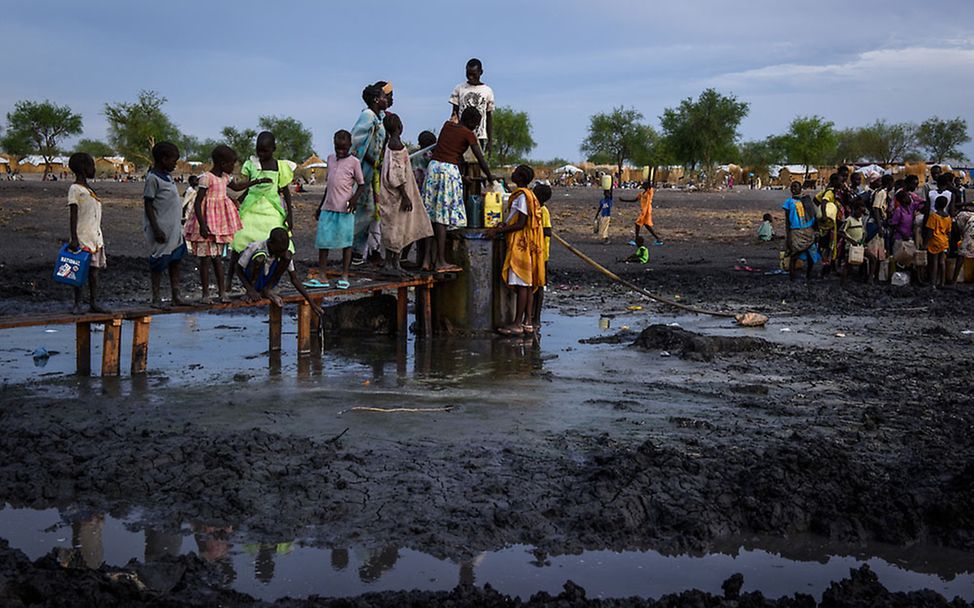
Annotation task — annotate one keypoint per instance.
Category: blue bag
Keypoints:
(71, 267)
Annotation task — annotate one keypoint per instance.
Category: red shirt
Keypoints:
(453, 141)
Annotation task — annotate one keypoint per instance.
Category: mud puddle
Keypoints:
(271, 570)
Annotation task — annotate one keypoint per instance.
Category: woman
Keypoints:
(800, 231)
(368, 140)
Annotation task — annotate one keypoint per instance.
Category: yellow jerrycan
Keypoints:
(493, 209)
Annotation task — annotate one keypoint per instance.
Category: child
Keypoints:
(524, 268)
(443, 192)
(215, 220)
(854, 235)
(420, 159)
(404, 219)
(645, 218)
(262, 264)
(603, 216)
(261, 210)
(937, 236)
(86, 234)
(766, 229)
(543, 193)
(336, 211)
(189, 197)
(641, 256)
(163, 222)
(475, 94)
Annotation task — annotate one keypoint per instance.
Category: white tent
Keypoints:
(4, 161)
(568, 169)
(37, 160)
(321, 165)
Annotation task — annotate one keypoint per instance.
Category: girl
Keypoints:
(368, 139)
(645, 219)
(261, 210)
(830, 217)
(854, 234)
(524, 267)
(937, 230)
(215, 220)
(86, 234)
(443, 192)
(404, 219)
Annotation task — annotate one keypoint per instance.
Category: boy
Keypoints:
(937, 236)
(641, 256)
(603, 216)
(543, 193)
(645, 218)
(85, 209)
(855, 235)
(262, 264)
(524, 269)
(163, 222)
(420, 160)
(476, 94)
(189, 196)
(766, 229)
(336, 211)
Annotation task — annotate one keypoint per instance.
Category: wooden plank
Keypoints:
(82, 333)
(304, 328)
(402, 308)
(111, 348)
(140, 345)
(274, 328)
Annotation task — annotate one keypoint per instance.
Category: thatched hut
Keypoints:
(315, 168)
(35, 164)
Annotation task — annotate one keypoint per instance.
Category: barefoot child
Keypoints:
(937, 237)
(645, 219)
(336, 212)
(215, 220)
(524, 269)
(603, 216)
(163, 222)
(766, 229)
(189, 197)
(86, 234)
(443, 192)
(543, 193)
(854, 235)
(641, 255)
(262, 264)
(404, 219)
(261, 210)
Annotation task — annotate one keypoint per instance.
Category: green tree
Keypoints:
(194, 148)
(851, 146)
(810, 141)
(704, 131)
(512, 136)
(616, 137)
(37, 127)
(241, 140)
(760, 155)
(134, 128)
(886, 143)
(293, 139)
(942, 139)
(95, 147)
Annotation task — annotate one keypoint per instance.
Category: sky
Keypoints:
(225, 63)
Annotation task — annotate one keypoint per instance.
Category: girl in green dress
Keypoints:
(261, 210)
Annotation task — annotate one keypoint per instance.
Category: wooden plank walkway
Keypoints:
(141, 319)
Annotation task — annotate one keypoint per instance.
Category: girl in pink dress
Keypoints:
(215, 219)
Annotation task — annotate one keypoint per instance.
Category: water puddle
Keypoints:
(270, 570)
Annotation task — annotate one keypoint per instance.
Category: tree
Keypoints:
(703, 131)
(616, 137)
(193, 148)
(134, 128)
(293, 139)
(512, 136)
(36, 127)
(943, 138)
(886, 143)
(242, 141)
(760, 155)
(851, 145)
(95, 147)
(810, 141)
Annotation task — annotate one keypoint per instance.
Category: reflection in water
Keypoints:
(86, 537)
(160, 544)
(378, 563)
(214, 546)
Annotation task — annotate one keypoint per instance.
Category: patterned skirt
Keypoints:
(443, 195)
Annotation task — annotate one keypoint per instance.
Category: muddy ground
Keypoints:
(863, 434)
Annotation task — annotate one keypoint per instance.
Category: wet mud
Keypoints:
(849, 417)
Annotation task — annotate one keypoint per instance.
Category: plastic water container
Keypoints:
(71, 267)
(900, 279)
(493, 209)
(475, 211)
(607, 182)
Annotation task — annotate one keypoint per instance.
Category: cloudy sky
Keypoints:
(226, 63)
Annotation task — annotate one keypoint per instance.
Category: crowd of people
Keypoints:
(877, 226)
(380, 203)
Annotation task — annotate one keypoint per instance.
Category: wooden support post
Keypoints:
(274, 328)
(316, 341)
(140, 344)
(424, 311)
(402, 306)
(111, 348)
(304, 329)
(83, 348)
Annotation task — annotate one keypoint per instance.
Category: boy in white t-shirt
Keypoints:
(474, 93)
(86, 226)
